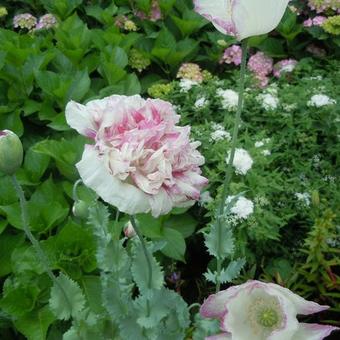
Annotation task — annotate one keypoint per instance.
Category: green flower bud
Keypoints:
(80, 209)
(11, 152)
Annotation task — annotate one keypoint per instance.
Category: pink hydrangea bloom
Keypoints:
(232, 55)
(155, 12)
(25, 20)
(316, 21)
(308, 23)
(256, 310)
(46, 21)
(141, 160)
(283, 66)
(261, 65)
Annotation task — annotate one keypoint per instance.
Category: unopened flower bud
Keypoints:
(11, 152)
(129, 231)
(80, 209)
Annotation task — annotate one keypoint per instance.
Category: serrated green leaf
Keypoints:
(220, 245)
(139, 270)
(232, 271)
(66, 298)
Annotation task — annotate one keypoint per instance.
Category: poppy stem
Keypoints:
(229, 169)
(146, 254)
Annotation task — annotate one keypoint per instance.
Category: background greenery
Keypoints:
(86, 57)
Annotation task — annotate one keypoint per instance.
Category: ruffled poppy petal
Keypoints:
(126, 197)
(313, 331)
(219, 12)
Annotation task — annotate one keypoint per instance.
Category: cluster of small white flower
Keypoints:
(219, 133)
(268, 101)
(242, 161)
(229, 99)
(261, 143)
(319, 100)
(304, 198)
(187, 84)
(329, 178)
(269, 98)
(201, 102)
(242, 208)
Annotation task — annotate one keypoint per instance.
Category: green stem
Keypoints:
(229, 170)
(43, 258)
(147, 257)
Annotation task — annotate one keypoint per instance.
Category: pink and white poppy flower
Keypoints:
(140, 160)
(263, 311)
(242, 18)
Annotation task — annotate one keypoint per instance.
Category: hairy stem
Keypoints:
(146, 254)
(229, 170)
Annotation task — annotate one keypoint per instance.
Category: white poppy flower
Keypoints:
(242, 18)
(256, 310)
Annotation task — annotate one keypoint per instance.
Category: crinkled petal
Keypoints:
(215, 305)
(313, 331)
(302, 306)
(79, 118)
(222, 336)
(126, 197)
(161, 203)
(257, 17)
(218, 12)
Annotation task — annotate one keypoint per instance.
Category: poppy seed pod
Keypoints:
(242, 18)
(11, 152)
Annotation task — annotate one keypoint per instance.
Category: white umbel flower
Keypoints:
(187, 84)
(229, 99)
(242, 208)
(268, 101)
(200, 102)
(242, 161)
(319, 100)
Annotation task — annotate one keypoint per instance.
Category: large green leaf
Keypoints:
(34, 325)
(175, 246)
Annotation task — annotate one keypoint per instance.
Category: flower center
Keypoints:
(268, 317)
(265, 315)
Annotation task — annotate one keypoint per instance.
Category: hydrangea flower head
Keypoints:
(263, 311)
(261, 65)
(141, 160)
(190, 71)
(25, 20)
(46, 21)
(232, 55)
(284, 66)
